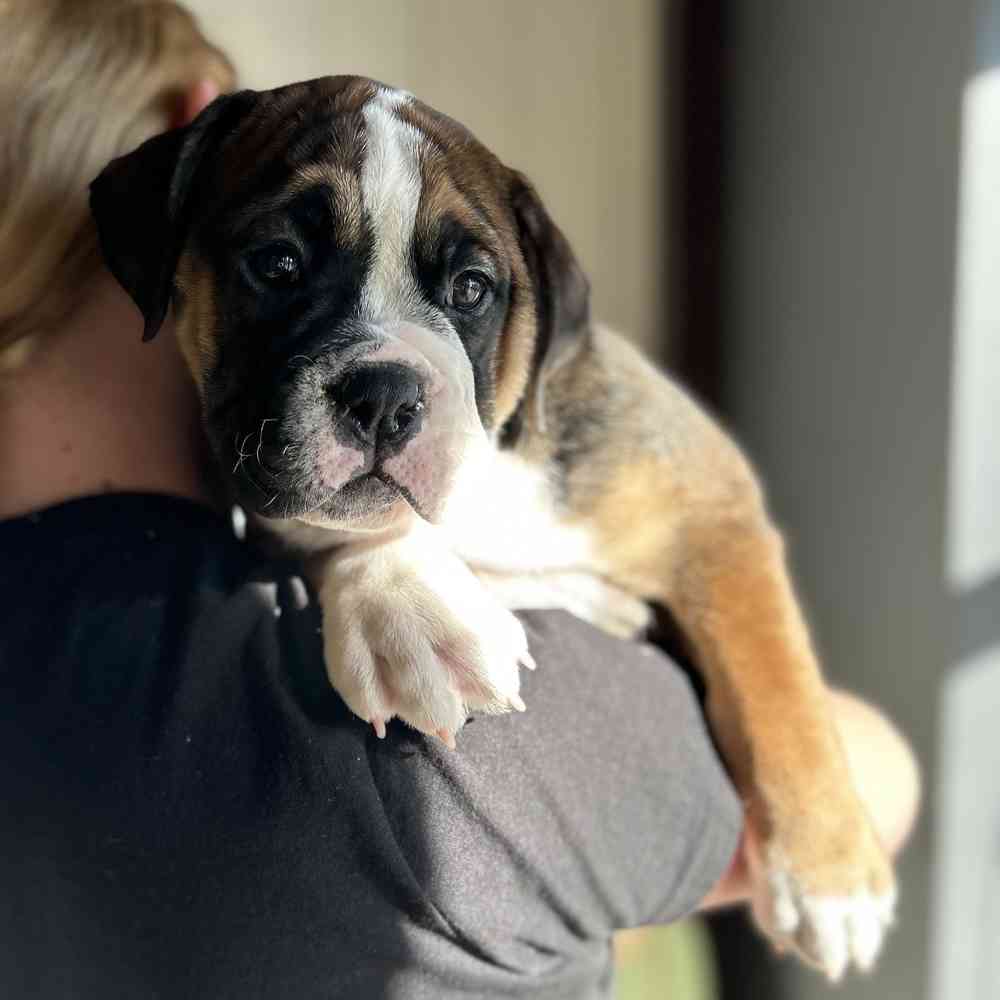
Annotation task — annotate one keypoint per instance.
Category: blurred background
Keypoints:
(797, 206)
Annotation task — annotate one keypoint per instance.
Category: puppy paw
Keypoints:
(409, 632)
(831, 920)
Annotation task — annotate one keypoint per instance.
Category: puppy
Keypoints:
(393, 347)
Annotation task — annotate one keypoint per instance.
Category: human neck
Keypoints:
(92, 409)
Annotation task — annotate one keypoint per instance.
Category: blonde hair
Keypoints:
(81, 82)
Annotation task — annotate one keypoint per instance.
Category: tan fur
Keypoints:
(453, 153)
(442, 198)
(678, 518)
(196, 326)
(346, 206)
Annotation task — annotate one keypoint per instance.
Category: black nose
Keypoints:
(380, 405)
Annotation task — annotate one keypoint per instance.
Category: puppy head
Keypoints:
(364, 294)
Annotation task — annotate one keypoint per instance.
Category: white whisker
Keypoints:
(260, 434)
(241, 454)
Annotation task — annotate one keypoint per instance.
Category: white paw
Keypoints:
(410, 632)
(829, 931)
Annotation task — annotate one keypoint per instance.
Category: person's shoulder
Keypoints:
(123, 607)
(108, 518)
(105, 578)
(124, 536)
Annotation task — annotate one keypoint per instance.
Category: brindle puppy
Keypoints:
(393, 346)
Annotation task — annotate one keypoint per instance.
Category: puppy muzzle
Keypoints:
(392, 418)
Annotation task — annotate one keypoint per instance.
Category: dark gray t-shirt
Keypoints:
(191, 812)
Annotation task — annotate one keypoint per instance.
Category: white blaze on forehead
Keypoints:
(411, 329)
(390, 191)
(411, 326)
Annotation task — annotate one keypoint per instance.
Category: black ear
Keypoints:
(562, 291)
(142, 204)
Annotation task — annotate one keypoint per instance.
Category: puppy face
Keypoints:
(363, 291)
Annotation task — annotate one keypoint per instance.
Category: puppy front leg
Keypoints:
(410, 632)
(678, 518)
(823, 884)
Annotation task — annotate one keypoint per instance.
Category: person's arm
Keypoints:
(179, 764)
(885, 772)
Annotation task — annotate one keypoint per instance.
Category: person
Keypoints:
(190, 809)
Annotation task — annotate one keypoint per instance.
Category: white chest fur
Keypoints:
(501, 516)
(502, 519)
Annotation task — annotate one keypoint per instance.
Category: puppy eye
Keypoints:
(278, 264)
(468, 289)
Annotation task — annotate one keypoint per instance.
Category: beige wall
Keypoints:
(567, 90)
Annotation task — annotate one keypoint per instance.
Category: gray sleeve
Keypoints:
(603, 806)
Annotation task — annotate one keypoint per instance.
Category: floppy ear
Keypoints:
(562, 291)
(142, 204)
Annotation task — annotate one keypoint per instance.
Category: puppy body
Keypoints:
(393, 346)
